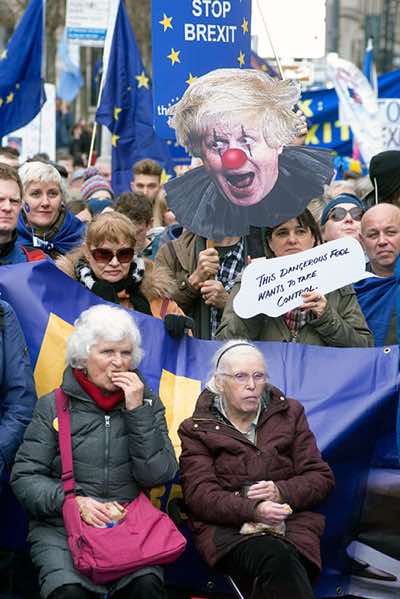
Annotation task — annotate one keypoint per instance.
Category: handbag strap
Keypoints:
(64, 439)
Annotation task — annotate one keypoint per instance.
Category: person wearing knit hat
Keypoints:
(341, 217)
(95, 186)
(384, 172)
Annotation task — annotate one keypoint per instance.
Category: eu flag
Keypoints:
(126, 107)
(22, 92)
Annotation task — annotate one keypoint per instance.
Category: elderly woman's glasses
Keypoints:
(339, 213)
(244, 377)
(104, 256)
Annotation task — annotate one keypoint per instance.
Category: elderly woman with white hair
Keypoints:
(120, 446)
(252, 475)
(243, 125)
(44, 221)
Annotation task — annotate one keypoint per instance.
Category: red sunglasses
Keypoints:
(104, 256)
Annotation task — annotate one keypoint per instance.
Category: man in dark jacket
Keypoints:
(17, 398)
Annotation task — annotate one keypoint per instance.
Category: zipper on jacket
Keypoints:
(107, 453)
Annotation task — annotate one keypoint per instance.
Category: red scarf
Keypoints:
(105, 402)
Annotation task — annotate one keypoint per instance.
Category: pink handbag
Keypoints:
(145, 537)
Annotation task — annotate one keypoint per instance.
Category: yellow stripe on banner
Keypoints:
(50, 364)
(179, 395)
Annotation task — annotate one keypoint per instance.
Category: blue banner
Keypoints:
(351, 408)
(321, 109)
(191, 38)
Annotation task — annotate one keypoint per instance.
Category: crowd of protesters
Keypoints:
(130, 251)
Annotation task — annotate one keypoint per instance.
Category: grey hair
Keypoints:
(102, 322)
(223, 93)
(222, 358)
(31, 172)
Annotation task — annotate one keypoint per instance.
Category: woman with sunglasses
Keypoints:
(107, 265)
(341, 217)
(252, 476)
(333, 320)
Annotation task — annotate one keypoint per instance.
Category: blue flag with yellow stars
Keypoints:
(126, 108)
(22, 92)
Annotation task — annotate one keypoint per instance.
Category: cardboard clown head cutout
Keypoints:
(240, 123)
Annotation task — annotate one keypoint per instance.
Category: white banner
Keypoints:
(274, 286)
(358, 106)
(86, 21)
(389, 110)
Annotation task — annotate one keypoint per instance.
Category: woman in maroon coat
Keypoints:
(252, 474)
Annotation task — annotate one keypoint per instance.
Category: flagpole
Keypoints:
(278, 62)
(106, 56)
(44, 64)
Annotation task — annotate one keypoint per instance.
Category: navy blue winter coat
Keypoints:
(17, 389)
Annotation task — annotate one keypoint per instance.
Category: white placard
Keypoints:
(389, 112)
(40, 134)
(86, 21)
(274, 286)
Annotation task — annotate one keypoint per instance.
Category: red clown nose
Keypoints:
(234, 158)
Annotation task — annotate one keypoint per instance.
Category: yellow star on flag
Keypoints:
(174, 56)
(166, 22)
(117, 110)
(143, 80)
(1, 102)
(191, 79)
(3, 55)
(245, 26)
(164, 177)
(10, 98)
(241, 59)
(114, 139)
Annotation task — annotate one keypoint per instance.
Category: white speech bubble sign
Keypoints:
(274, 286)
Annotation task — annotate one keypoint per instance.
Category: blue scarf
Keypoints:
(377, 297)
(69, 236)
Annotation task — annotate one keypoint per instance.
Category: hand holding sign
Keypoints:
(277, 285)
(315, 302)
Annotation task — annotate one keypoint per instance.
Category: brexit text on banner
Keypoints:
(389, 110)
(351, 408)
(21, 85)
(191, 38)
(326, 131)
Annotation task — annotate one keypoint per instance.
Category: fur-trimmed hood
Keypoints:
(157, 283)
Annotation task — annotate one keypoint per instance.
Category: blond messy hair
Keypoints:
(226, 93)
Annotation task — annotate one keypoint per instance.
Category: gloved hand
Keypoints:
(177, 325)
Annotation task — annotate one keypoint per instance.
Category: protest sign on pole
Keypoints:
(190, 39)
(274, 286)
(86, 21)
